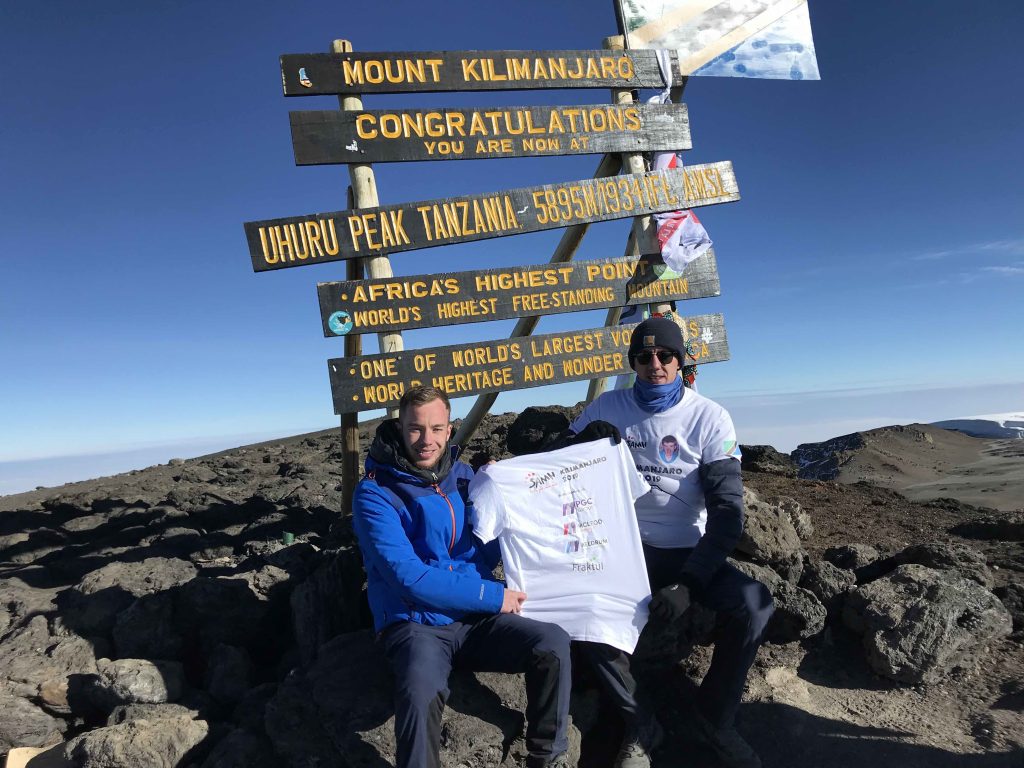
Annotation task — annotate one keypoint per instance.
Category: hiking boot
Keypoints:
(731, 749)
(638, 745)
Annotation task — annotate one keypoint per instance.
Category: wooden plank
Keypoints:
(452, 298)
(389, 136)
(378, 381)
(313, 74)
(324, 237)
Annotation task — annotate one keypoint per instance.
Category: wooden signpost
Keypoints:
(450, 298)
(378, 381)
(388, 136)
(317, 74)
(322, 237)
(367, 232)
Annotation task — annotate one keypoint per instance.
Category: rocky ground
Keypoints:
(158, 618)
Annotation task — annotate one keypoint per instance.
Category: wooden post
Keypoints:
(363, 194)
(643, 230)
(350, 454)
(642, 233)
(564, 251)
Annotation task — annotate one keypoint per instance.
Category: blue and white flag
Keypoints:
(727, 38)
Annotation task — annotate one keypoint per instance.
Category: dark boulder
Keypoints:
(918, 624)
(764, 458)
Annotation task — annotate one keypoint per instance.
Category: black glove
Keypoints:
(595, 430)
(671, 602)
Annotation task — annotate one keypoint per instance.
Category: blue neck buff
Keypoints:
(655, 398)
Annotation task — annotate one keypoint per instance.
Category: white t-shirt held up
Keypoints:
(569, 538)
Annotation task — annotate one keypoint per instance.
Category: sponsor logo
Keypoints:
(575, 505)
(588, 567)
(542, 482)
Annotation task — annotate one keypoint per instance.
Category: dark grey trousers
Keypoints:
(422, 658)
(744, 606)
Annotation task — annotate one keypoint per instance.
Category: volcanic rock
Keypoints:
(798, 613)
(851, 557)
(164, 743)
(764, 458)
(92, 606)
(339, 711)
(242, 749)
(919, 623)
(770, 538)
(32, 657)
(827, 582)
(23, 724)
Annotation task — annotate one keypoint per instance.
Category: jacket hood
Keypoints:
(388, 450)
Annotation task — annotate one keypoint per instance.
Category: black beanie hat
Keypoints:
(656, 332)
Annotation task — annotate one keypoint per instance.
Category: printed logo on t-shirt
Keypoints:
(541, 482)
(731, 448)
(571, 507)
(633, 440)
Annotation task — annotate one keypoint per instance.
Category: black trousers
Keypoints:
(744, 606)
(422, 658)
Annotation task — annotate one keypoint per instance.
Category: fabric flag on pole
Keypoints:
(727, 38)
(681, 236)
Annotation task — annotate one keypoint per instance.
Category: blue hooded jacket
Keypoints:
(422, 562)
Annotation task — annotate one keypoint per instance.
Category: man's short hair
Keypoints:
(421, 395)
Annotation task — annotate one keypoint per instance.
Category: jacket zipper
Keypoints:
(451, 509)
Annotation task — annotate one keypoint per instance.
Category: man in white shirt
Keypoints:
(685, 445)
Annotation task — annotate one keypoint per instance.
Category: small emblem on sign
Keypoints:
(304, 80)
(340, 323)
(353, 147)
(706, 336)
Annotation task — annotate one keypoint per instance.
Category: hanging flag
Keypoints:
(727, 38)
(681, 236)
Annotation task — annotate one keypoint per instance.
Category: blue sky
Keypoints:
(871, 274)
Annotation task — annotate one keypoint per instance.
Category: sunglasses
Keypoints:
(645, 356)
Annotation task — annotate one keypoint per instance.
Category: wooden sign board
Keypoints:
(424, 301)
(317, 74)
(378, 381)
(388, 136)
(324, 237)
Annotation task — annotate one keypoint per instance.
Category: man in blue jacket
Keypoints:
(434, 601)
(689, 522)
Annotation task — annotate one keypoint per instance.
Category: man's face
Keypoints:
(425, 433)
(655, 371)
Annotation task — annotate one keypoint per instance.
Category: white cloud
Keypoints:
(1013, 247)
